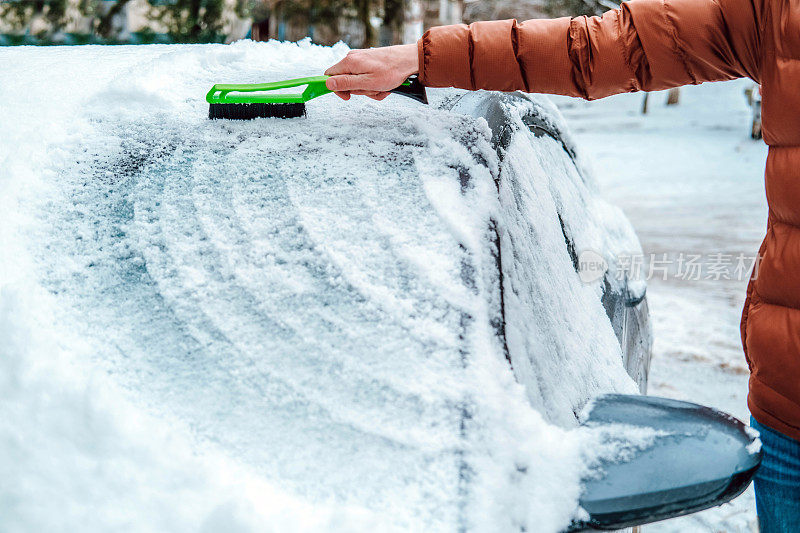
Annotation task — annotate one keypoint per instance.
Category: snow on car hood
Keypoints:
(282, 324)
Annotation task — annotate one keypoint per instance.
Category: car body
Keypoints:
(374, 317)
(623, 297)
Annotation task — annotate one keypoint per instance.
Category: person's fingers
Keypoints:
(342, 67)
(348, 82)
(375, 95)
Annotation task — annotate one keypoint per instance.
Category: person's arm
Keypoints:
(643, 45)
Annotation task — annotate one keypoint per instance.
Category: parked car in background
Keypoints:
(375, 317)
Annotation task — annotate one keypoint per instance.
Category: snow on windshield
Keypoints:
(284, 324)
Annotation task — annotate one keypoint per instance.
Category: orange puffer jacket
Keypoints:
(655, 44)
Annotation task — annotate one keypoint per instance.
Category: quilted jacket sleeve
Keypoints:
(643, 45)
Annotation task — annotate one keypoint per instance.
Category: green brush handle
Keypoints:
(315, 86)
(219, 93)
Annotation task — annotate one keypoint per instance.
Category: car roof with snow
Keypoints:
(371, 310)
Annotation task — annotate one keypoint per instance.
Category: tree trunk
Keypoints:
(274, 21)
(412, 24)
(364, 13)
(391, 30)
(194, 20)
(645, 103)
(260, 30)
(106, 24)
(674, 96)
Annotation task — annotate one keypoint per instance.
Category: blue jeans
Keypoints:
(777, 482)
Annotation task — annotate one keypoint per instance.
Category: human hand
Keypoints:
(373, 72)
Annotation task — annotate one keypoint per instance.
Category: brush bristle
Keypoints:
(257, 110)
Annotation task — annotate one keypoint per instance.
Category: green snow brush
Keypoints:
(254, 100)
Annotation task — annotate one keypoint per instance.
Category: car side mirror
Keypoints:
(701, 458)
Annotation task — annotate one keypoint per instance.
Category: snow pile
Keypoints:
(76, 454)
(285, 324)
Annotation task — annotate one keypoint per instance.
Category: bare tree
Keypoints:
(20, 15)
(475, 10)
(105, 24)
(190, 21)
(560, 8)
(364, 15)
(393, 19)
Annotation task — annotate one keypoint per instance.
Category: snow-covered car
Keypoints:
(382, 316)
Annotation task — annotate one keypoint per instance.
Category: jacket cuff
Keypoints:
(444, 57)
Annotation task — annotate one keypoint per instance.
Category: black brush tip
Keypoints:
(257, 110)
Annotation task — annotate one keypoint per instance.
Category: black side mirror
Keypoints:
(701, 458)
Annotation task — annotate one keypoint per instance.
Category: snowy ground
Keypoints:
(691, 181)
